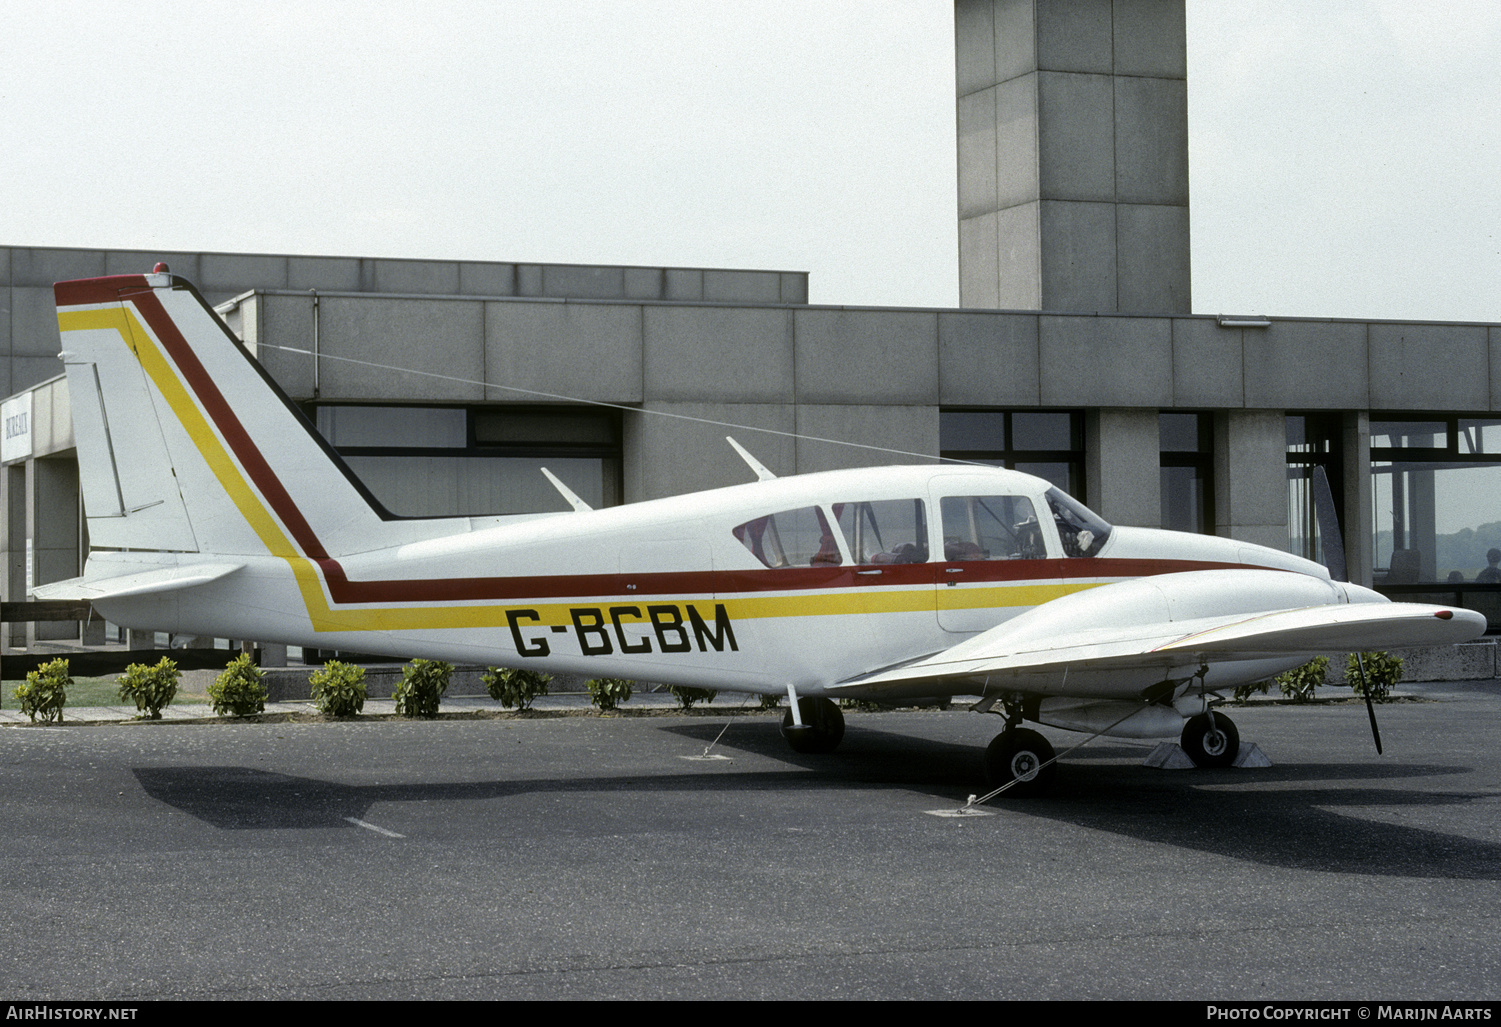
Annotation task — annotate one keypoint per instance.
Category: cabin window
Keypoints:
(990, 528)
(1082, 531)
(886, 531)
(792, 538)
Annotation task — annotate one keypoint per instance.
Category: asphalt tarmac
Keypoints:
(589, 857)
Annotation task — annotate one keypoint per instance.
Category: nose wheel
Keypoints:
(1211, 740)
(822, 726)
(1021, 755)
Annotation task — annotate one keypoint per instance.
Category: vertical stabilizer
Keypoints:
(186, 444)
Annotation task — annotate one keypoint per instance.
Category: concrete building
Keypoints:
(1075, 355)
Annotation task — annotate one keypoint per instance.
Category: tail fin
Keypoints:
(186, 444)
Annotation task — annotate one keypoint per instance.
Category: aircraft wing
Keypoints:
(1124, 637)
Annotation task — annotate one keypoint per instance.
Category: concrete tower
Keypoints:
(1073, 155)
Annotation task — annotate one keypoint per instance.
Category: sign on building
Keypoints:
(15, 428)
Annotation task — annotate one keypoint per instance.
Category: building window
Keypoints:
(458, 461)
(1313, 440)
(1436, 498)
(1186, 461)
(1047, 443)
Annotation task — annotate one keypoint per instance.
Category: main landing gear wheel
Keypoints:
(822, 729)
(1018, 754)
(1211, 746)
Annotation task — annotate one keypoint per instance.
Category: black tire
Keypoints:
(823, 726)
(1019, 754)
(1211, 747)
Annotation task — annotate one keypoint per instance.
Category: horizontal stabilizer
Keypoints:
(153, 582)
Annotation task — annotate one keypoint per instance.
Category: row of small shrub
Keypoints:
(338, 689)
(516, 689)
(1382, 672)
(45, 691)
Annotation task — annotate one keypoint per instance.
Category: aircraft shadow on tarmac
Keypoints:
(1285, 816)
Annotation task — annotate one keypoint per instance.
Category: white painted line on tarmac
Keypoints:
(371, 827)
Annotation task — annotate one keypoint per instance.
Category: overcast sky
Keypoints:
(1343, 154)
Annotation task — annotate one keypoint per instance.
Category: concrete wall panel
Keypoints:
(486, 279)
(863, 356)
(742, 286)
(443, 337)
(1075, 36)
(1429, 367)
(1015, 131)
(272, 321)
(238, 272)
(326, 274)
(644, 283)
(1151, 38)
(42, 422)
(4, 265)
(794, 288)
(907, 429)
(1121, 467)
(33, 322)
(583, 350)
(1076, 136)
(1018, 274)
(988, 360)
(45, 266)
(51, 419)
(684, 284)
(733, 354)
(1078, 256)
(1207, 364)
(5, 311)
(1153, 257)
(528, 279)
(974, 45)
(28, 371)
(583, 282)
(671, 456)
(433, 277)
(1250, 476)
(1278, 360)
(1090, 361)
(1151, 140)
(977, 153)
(978, 271)
(1015, 38)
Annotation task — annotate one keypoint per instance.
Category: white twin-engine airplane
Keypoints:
(214, 508)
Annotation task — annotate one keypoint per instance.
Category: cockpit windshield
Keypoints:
(1082, 531)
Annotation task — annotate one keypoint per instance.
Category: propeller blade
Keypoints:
(1365, 688)
(1334, 545)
